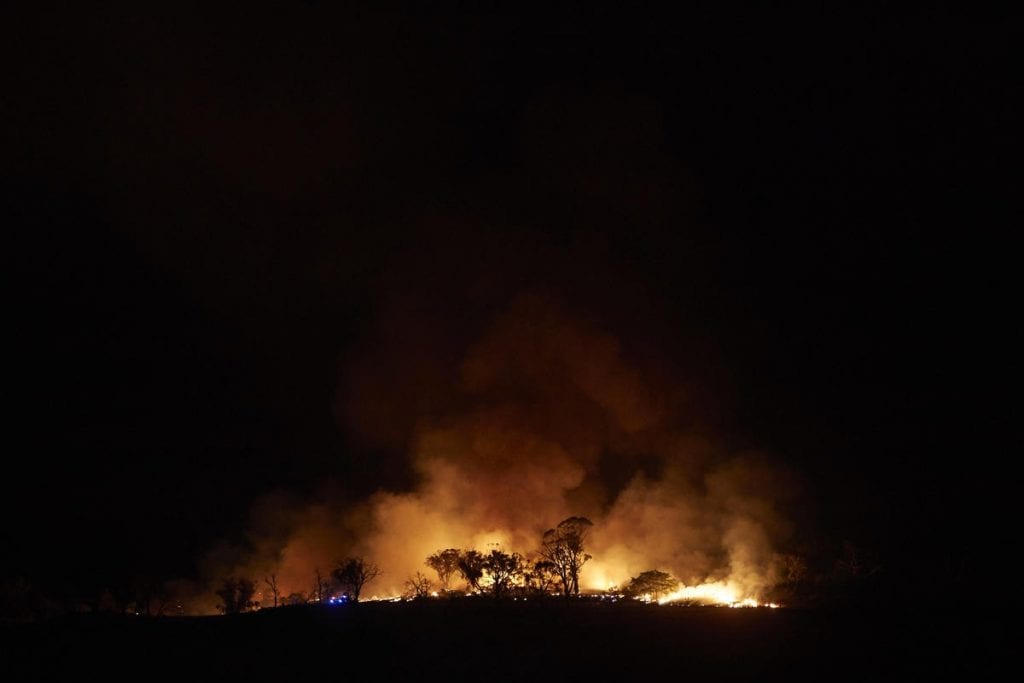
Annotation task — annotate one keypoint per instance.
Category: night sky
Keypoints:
(207, 214)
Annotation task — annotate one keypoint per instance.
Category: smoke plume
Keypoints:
(505, 419)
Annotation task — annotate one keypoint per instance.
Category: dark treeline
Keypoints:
(552, 570)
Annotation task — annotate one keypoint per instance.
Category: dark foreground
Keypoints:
(516, 641)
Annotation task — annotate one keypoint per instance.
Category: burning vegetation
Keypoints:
(545, 415)
(551, 571)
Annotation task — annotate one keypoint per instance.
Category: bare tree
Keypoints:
(471, 568)
(353, 573)
(446, 564)
(161, 598)
(563, 548)
(418, 586)
(271, 582)
(790, 579)
(855, 563)
(320, 587)
(236, 595)
(651, 585)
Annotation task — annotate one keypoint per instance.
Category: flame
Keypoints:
(516, 429)
(746, 602)
(716, 593)
(605, 577)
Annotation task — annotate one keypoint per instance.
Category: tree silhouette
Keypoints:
(236, 595)
(790, 585)
(855, 576)
(791, 568)
(296, 598)
(446, 564)
(21, 601)
(563, 548)
(502, 569)
(855, 563)
(353, 573)
(541, 578)
(418, 586)
(150, 596)
(271, 582)
(651, 584)
(320, 587)
(471, 568)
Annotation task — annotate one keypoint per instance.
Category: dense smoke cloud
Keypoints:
(506, 419)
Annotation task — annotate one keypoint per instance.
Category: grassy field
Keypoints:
(480, 640)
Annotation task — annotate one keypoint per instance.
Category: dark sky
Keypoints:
(204, 214)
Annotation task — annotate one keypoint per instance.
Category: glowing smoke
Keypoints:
(546, 401)
(539, 414)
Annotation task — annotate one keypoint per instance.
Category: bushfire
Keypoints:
(540, 414)
(554, 570)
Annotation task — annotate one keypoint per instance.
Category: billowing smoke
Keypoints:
(507, 419)
(550, 404)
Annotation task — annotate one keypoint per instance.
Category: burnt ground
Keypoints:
(517, 641)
